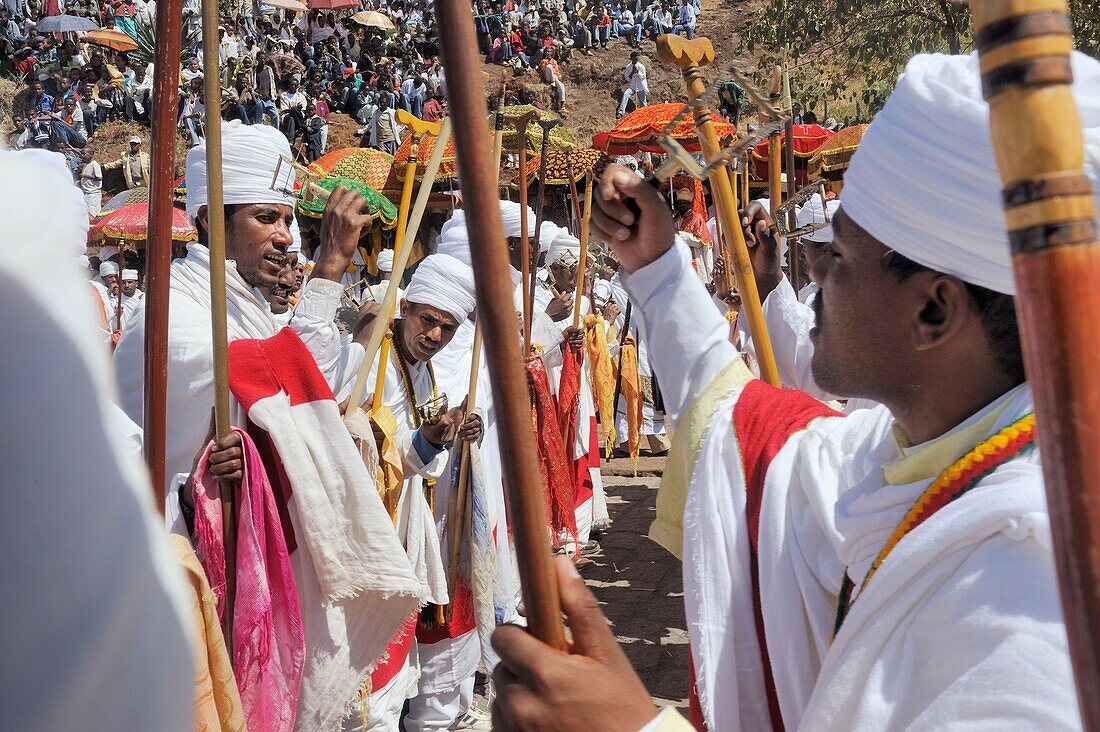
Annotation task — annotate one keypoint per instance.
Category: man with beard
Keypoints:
(891, 569)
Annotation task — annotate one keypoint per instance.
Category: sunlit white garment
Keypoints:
(961, 626)
(653, 419)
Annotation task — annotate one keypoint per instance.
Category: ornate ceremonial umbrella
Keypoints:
(832, 159)
(131, 223)
(584, 160)
(560, 137)
(310, 210)
(447, 169)
(641, 129)
(362, 164)
(807, 140)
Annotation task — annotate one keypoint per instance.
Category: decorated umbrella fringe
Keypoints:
(131, 223)
(836, 154)
(381, 208)
(560, 138)
(808, 139)
(363, 164)
(639, 131)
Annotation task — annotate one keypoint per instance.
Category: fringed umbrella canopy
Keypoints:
(366, 165)
(560, 138)
(836, 155)
(640, 131)
(584, 160)
(131, 223)
(448, 168)
(808, 139)
(381, 208)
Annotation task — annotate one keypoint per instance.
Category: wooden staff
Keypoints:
(417, 127)
(215, 238)
(574, 200)
(520, 123)
(457, 518)
(400, 261)
(540, 200)
(619, 371)
(527, 508)
(582, 261)
(794, 246)
(690, 57)
(746, 161)
(158, 247)
(1024, 50)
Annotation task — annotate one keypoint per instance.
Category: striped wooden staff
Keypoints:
(1024, 49)
(496, 310)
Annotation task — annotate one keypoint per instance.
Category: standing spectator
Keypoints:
(686, 21)
(382, 130)
(636, 84)
(135, 165)
(91, 181)
(124, 13)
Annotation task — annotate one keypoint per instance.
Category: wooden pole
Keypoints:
(691, 56)
(794, 247)
(582, 261)
(457, 519)
(520, 124)
(527, 509)
(619, 371)
(1024, 51)
(402, 226)
(158, 247)
(746, 161)
(400, 261)
(215, 212)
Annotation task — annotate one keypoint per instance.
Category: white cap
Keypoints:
(129, 275)
(106, 269)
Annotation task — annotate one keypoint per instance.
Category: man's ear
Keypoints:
(943, 307)
(203, 217)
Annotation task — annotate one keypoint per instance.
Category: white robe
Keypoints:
(653, 420)
(961, 627)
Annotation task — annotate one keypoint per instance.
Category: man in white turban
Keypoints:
(439, 298)
(340, 650)
(96, 631)
(816, 597)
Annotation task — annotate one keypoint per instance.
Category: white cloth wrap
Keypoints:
(814, 213)
(385, 260)
(563, 242)
(444, 282)
(924, 181)
(250, 158)
(106, 269)
(454, 237)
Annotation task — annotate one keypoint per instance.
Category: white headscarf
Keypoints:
(106, 269)
(563, 242)
(814, 213)
(250, 156)
(924, 181)
(385, 260)
(444, 282)
(296, 237)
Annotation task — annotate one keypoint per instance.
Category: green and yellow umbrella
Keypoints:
(560, 138)
(362, 164)
(311, 209)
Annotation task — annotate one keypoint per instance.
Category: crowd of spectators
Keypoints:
(295, 70)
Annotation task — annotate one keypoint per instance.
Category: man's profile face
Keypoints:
(861, 339)
(256, 238)
(425, 329)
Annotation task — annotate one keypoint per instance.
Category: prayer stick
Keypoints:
(582, 261)
(158, 247)
(400, 261)
(402, 227)
(691, 56)
(527, 506)
(1024, 53)
(215, 237)
(457, 519)
(520, 124)
(619, 371)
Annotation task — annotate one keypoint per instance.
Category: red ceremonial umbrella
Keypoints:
(131, 222)
(641, 129)
(807, 140)
(332, 4)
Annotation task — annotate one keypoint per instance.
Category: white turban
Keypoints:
(83, 261)
(601, 291)
(924, 181)
(106, 269)
(443, 282)
(129, 275)
(510, 213)
(454, 237)
(813, 213)
(250, 155)
(295, 236)
(107, 251)
(385, 260)
(40, 181)
(563, 242)
(547, 234)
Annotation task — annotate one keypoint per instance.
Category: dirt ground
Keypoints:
(640, 588)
